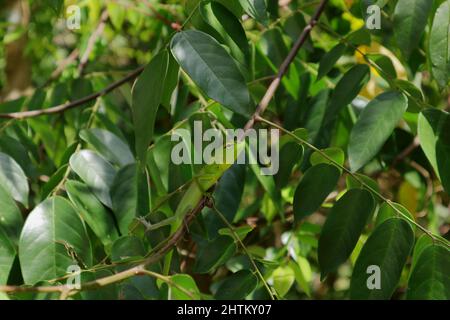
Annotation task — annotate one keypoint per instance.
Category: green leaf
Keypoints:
(7, 256)
(127, 248)
(387, 212)
(108, 145)
(18, 152)
(415, 95)
(214, 254)
(385, 64)
(229, 28)
(92, 211)
(291, 154)
(303, 273)
(130, 196)
(343, 226)
(11, 220)
(237, 286)
(346, 90)
(329, 60)
(147, 96)
(53, 238)
(434, 135)
(294, 25)
(186, 282)
(116, 14)
(387, 248)
(283, 279)
(317, 183)
(56, 5)
(356, 181)
(422, 243)
(374, 126)
(13, 179)
(334, 153)
(430, 279)
(96, 172)
(439, 44)
(410, 19)
(273, 47)
(241, 232)
(171, 82)
(109, 292)
(227, 195)
(316, 114)
(212, 69)
(257, 9)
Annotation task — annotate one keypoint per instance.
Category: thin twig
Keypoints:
(372, 190)
(92, 40)
(262, 106)
(70, 105)
(62, 66)
(406, 152)
(244, 248)
(178, 235)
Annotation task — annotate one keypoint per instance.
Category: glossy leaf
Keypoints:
(387, 248)
(430, 279)
(147, 96)
(291, 154)
(283, 279)
(345, 223)
(96, 172)
(374, 126)
(257, 9)
(127, 248)
(387, 212)
(336, 154)
(53, 238)
(212, 69)
(439, 44)
(433, 130)
(214, 254)
(186, 282)
(108, 145)
(316, 184)
(329, 60)
(7, 256)
(92, 211)
(130, 196)
(237, 286)
(227, 196)
(346, 90)
(229, 28)
(11, 220)
(410, 19)
(13, 179)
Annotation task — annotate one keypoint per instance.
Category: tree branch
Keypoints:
(173, 240)
(92, 40)
(70, 105)
(262, 106)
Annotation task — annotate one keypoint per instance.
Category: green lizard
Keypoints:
(207, 178)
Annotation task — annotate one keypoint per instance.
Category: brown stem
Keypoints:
(178, 235)
(60, 68)
(70, 105)
(405, 153)
(262, 106)
(92, 40)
